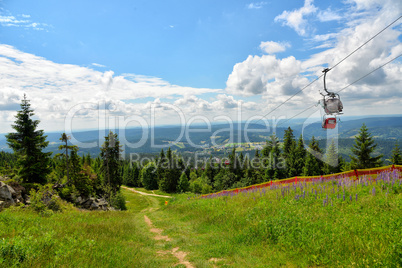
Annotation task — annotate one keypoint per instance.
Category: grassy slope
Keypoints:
(79, 239)
(249, 230)
(262, 230)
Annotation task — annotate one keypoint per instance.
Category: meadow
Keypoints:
(336, 223)
(333, 223)
(75, 238)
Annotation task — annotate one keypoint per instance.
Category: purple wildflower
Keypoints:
(373, 191)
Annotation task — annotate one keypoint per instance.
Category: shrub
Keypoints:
(45, 199)
(118, 201)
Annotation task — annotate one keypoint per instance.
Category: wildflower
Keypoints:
(356, 197)
(373, 191)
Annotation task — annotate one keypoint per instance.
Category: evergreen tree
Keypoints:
(256, 167)
(171, 173)
(289, 143)
(64, 138)
(149, 177)
(28, 143)
(300, 154)
(362, 149)
(209, 170)
(271, 157)
(184, 185)
(110, 154)
(289, 152)
(312, 165)
(396, 158)
(331, 160)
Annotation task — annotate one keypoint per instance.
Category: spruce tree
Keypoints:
(149, 177)
(331, 163)
(300, 154)
(110, 154)
(396, 158)
(271, 159)
(362, 149)
(312, 165)
(64, 138)
(289, 152)
(184, 185)
(28, 143)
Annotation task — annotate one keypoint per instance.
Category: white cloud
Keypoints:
(275, 78)
(271, 47)
(56, 89)
(98, 65)
(296, 18)
(259, 75)
(328, 15)
(23, 21)
(256, 5)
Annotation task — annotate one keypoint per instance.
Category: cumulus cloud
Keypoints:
(296, 19)
(61, 93)
(271, 47)
(276, 78)
(260, 75)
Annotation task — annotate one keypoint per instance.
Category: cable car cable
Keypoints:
(350, 54)
(354, 82)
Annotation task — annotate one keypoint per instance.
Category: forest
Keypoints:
(74, 177)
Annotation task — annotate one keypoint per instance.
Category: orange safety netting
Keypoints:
(371, 172)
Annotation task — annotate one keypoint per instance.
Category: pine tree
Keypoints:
(289, 143)
(110, 154)
(271, 159)
(148, 176)
(331, 163)
(300, 154)
(64, 138)
(289, 152)
(171, 174)
(396, 158)
(28, 143)
(184, 185)
(312, 165)
(362, 149)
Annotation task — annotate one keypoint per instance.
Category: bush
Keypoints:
(118, 201)
(45, 199)
(196, 187)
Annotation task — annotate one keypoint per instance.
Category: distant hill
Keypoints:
(386, 131)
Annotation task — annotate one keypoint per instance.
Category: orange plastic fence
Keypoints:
(357, 173)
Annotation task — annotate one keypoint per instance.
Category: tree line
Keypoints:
(73, 175)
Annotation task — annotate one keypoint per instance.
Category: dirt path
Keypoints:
(180, 255)
(138, 192)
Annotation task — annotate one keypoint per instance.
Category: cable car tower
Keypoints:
(332, 106)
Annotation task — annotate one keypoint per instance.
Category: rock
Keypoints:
(6, 193)
(94, 204)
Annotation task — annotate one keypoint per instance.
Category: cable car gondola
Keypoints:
(332, 106)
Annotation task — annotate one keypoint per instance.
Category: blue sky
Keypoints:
(205, 57)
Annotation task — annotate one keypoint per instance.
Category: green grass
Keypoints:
(79, 238)
(268, 230)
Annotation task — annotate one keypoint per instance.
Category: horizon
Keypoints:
(345, 118)
(83, 64)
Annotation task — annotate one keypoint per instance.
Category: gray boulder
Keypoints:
(93, 203)
(6, 195)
